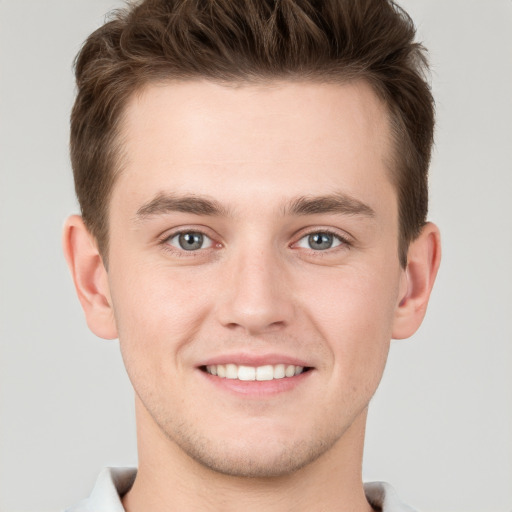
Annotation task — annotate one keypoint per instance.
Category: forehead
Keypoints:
(301, 137)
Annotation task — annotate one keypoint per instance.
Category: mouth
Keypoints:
(254, 373)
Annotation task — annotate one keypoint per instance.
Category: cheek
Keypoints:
(354, 312)
(157, 313)
(358, 300)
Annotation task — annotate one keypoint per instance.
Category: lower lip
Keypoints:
(257, 388)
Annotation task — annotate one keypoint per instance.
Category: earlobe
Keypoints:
(90, 277)
(423, 259)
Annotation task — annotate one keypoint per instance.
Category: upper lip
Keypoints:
(256, 360)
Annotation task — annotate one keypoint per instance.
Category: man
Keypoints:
(253, 183)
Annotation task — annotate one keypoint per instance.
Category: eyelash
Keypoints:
(345, 243)
(164, 241)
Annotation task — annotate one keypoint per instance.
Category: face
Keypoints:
(253, 266)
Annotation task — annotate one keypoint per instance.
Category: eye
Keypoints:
(320, 241)
(190, 241)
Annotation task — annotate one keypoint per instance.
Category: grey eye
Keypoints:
(190, 241)
(319, 241)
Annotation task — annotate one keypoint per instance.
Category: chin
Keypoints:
(250, 458)
(258, 465)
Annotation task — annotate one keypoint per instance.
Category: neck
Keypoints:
(168, 479)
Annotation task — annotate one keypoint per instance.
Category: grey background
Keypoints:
(440, 429)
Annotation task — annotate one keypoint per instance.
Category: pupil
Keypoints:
(320, 241)
(191, 241)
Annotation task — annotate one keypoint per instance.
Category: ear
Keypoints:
(423, 259)
(90, 277)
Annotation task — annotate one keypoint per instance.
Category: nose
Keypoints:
(256, 295)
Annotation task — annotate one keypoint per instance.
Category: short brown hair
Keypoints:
(246, 41)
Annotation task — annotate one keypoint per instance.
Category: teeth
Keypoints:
(279, 371)
(265, 372)
(260, 373)
(246, 373)
(290, 371)
(231, 371)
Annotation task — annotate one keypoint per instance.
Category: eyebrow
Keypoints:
(190, 203)
(337, 203)
(333, 203)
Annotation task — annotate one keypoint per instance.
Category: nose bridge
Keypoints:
(257, 295)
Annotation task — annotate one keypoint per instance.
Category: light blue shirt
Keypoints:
(113, 483)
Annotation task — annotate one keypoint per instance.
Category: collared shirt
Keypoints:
(113, 483)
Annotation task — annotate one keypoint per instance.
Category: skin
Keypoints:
(256, 292)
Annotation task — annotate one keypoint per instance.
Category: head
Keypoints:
(244, 43)
(252, 177)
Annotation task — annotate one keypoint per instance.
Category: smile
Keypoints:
(254, 373)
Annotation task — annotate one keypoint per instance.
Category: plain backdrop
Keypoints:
(440, 427)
